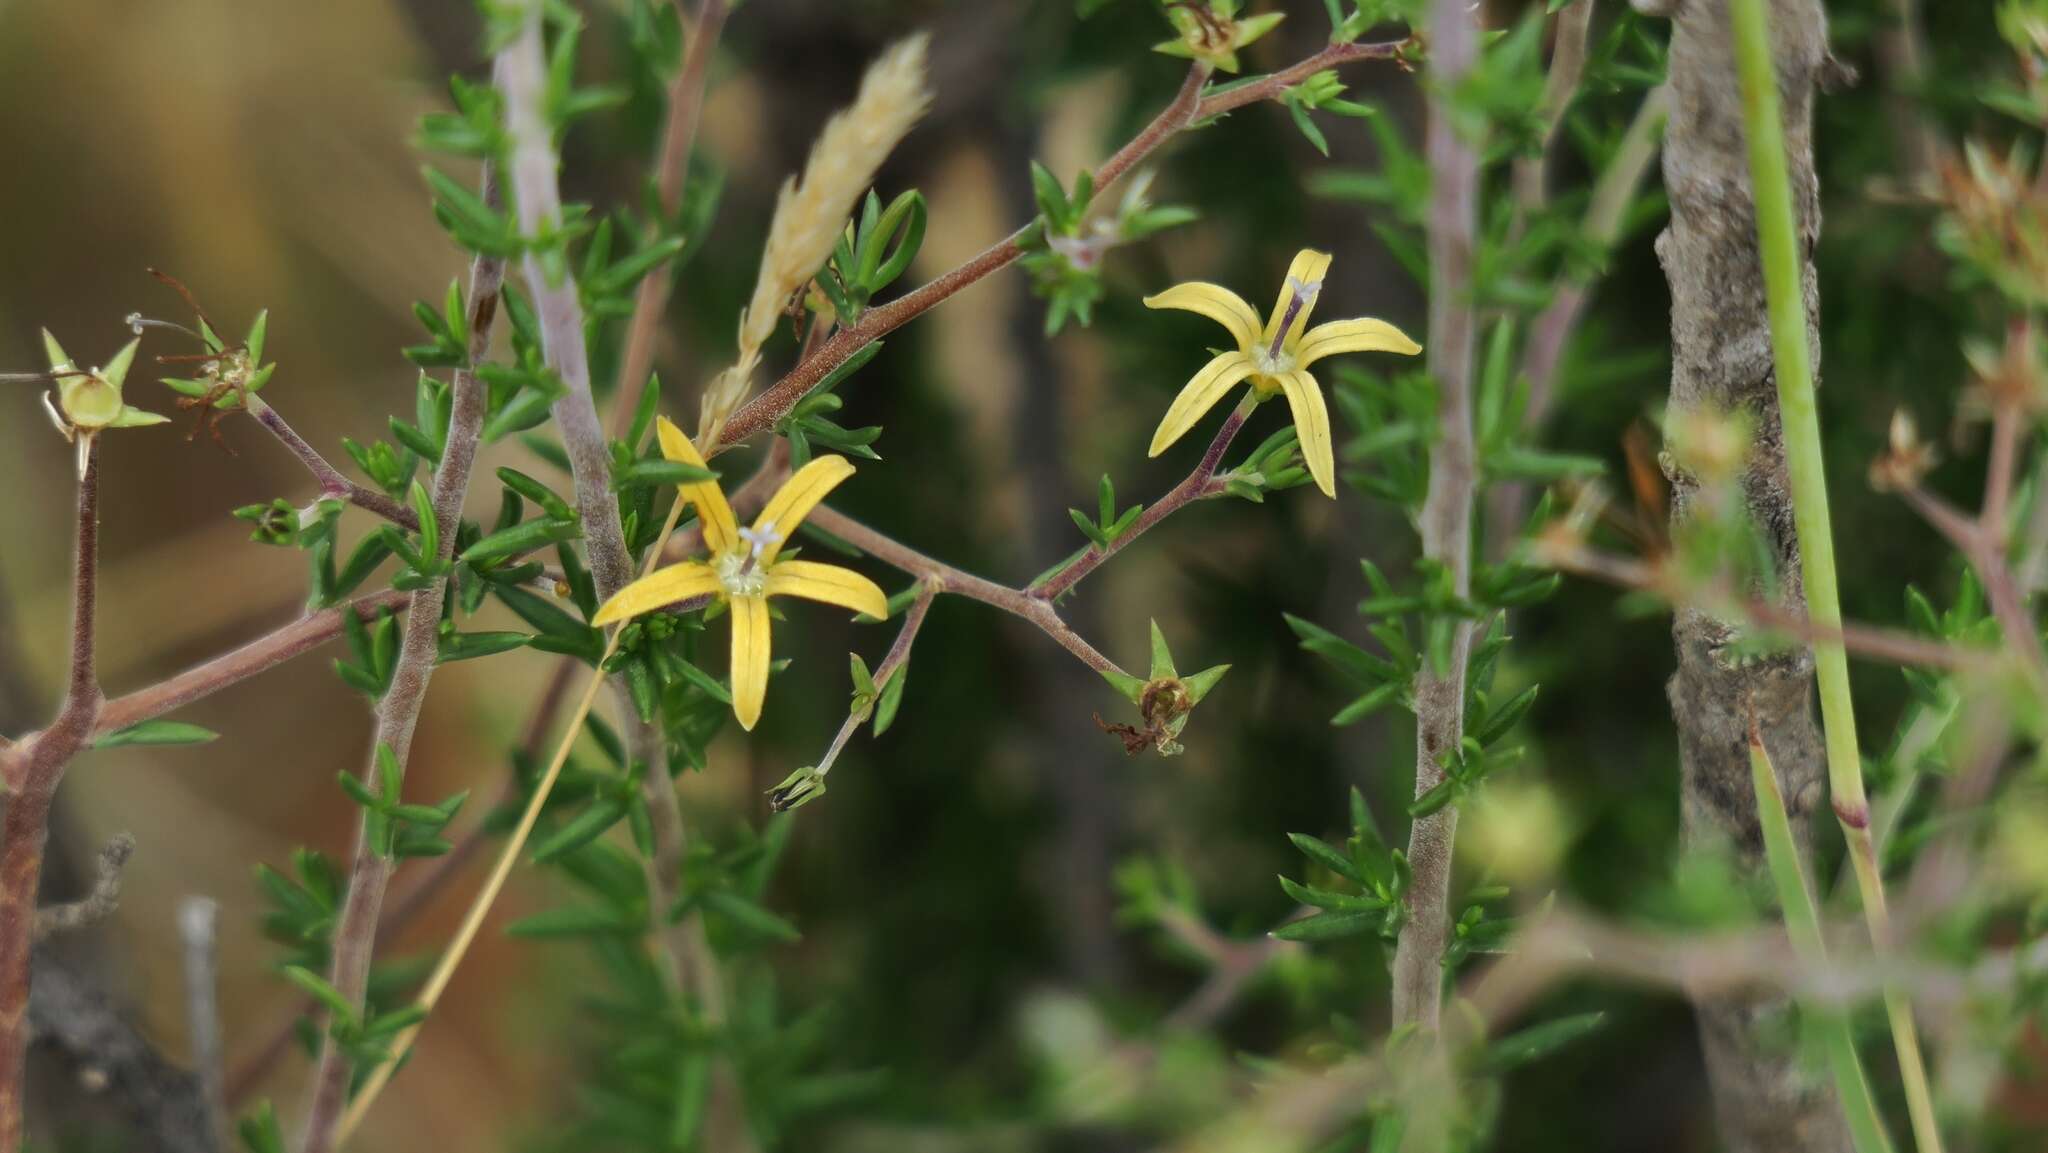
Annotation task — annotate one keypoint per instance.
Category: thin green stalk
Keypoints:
(1777, 239)
(1802, 924)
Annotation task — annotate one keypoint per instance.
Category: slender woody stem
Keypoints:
(355, 935)
(1200, 484)
(1777, 238)
(1446, 511)
(260, 655)
(522, 78)
(1189, 107)
(333, 483)
(958, 582)
(33, 769)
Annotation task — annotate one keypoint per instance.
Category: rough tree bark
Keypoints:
(1721, 361)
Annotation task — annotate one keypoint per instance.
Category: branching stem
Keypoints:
(1189, 107)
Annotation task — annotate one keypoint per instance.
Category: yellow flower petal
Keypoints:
(827, 583)
(1217, 303)
(721, 530)
(749, 658)
(1311, 427)
(795, 500)
(1305, 277)
(664, 586)
(1201, 394)
(1362, 335)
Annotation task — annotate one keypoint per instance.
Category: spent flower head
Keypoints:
(745, 568)
(1211, 32)
(88, 400)
(1274, 356)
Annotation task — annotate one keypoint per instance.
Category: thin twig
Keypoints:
(1552, 329)
(1447, 510)
(1200, 484)
(959, 582)
(98, 904)
(333, 483)
(1035, 604)
(266, 652)
(1189, 107)
(650, 304)
(1891, 646)
(398, 712)
(781, 797)
(1981, 541)
(1571, 24)
(198, 928)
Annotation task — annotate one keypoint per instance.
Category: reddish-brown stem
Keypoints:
(650, 304)
(33, 769)
(355, 934)
(260, 655)
(1981, 541)
(1189, 107)
(1200, 484)
(332, 482)
(947, 579)
(2006, 424)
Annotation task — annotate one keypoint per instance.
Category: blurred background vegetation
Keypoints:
(960, 878)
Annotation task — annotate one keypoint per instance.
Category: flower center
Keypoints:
(742, 573)
(739, 575)
(1273, 362)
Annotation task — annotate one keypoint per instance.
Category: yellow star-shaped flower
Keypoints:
(743, 571)
(1274, 356)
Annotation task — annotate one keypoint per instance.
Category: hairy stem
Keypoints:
(958, 582)
(537, 200)
(355, 935)
(400, 912)
(264, 653)
(32, 770)
(1784, 287)
(1446, 510)
(333, 483)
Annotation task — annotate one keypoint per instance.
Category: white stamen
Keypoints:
(1307, 291)
(758, 539)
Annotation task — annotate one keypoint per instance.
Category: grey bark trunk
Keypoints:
(1721, 361)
